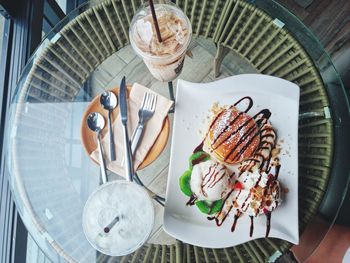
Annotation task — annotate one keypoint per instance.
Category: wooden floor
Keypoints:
(329, 20)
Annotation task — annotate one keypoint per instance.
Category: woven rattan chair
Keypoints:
(235, 26)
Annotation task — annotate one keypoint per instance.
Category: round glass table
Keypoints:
(89, 52)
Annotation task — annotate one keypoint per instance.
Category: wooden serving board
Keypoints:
(88, 137)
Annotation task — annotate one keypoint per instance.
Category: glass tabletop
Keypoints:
(51, 174)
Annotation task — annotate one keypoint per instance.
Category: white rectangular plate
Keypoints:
(193, 102)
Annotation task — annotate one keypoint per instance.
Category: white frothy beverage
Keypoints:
(132, 207)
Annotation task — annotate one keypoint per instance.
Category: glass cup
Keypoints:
(164, 60)
(118, 218)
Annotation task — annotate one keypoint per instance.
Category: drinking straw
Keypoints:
(155, 21)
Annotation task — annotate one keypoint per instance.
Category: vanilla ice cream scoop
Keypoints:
(259, 193)
(209, 180)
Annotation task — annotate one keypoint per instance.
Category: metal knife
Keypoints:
(124, 117)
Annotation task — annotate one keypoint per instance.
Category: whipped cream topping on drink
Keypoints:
(174, 32)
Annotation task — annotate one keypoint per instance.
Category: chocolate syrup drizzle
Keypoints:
(214, 181)
(251, 226)
(265, 131)
(230, 135)
(199, 147)
(250, 105)
(268, 224)
(210, 178)
(192, 200)
(216, 218)
(260, 119)
(233, 227)
(199, 159)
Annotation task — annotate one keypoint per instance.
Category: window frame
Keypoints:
(24, 21)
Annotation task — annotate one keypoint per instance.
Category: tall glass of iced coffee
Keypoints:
(164, 59)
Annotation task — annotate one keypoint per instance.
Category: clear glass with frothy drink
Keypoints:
(164, 60)
(130, 210)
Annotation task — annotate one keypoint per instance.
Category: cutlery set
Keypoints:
(96, 122)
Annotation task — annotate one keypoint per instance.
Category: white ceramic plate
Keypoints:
(193, 102)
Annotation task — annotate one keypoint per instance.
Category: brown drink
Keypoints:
(164, 59)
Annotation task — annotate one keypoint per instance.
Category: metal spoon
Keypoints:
(109, 101)
(96, 122)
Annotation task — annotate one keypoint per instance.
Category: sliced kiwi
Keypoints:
(208, 207)
(198, 157)
(184, 182)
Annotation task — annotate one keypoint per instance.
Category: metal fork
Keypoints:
(146, 112)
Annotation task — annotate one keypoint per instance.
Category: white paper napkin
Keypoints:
(150, 132)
